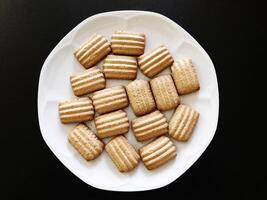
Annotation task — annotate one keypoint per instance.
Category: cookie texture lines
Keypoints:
(128, 43)
(111, 124)
(77, 110)
(149, 126)
(85, 142)
(87, 81)
(183, 122)
(110, 99)
(122, 154)
(158, 152)
(95, 49)
(120, 67)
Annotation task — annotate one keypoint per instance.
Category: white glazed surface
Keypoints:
(54, 86)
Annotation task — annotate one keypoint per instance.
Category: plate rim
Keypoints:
(127, 187)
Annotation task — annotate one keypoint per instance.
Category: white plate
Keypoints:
(54, 86)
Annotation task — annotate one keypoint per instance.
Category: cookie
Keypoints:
(183, 122)
(122, 153)
(85, 142)
(93, 51)
(111, 124)
(78, 110)
(154, 61)
(120, 67)
(185, 76)
(128, 43)
(164, 92)
(110, 99)
(158, 152)
(149, 126)
(87, 81)
(140, 97)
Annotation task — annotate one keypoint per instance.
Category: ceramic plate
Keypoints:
(54, 86)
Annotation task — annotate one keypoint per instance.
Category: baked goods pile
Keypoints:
(148, 100)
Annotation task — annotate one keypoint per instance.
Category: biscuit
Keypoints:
(120, 67)
(78, 110)
(110, 99)
(154, 61)
(149, 126)
(88, 81)
(111, 124)
(185, 76)
(164, 92)
(122, 153)
(140, 97)
(93, 51)
(183, 122)
(127, 43)
(85, 142)
(158, 152)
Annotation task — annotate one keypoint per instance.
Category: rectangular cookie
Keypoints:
(78, 110)
(140, 97)
(110, 99)
(85, 142)
(164, 92)
(185, 76)
(128, 43)
(111, 124)
(155, 61)
(158, 152)
(122, 153)
(183, 122)
(149, 126)
(87, 81)
(93, 51)
(120, 67)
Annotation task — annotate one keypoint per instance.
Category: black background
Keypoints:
(29, 30)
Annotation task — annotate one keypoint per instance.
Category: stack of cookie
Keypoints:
(148, 99)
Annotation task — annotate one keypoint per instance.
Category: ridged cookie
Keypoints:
(164, 92)
(140, 97)
(149, 126)
(111, 124)
(78, 110)
(183, 122)
(158, 152)
(154, 61)
(128, 43)
(120, 67)
(93, 51)
(185, 76)
(85, 142)
(122, 153)
(110, 99)
(87, 81)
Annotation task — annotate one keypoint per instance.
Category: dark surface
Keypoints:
(29, 30)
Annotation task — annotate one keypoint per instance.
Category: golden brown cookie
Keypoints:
(122, 153)
(183, 122)
(85, 142)
(110, 99)
(158, 152)
(127, 43)
(87, 81)
(185, 76)
(111, 124)
(155, 61)
(140, 97)
(164, 92)
(93, 51)
(120, 67)
(149, 126)
(78, 110)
